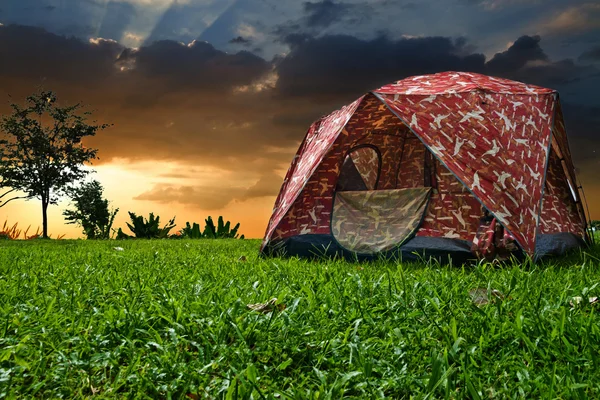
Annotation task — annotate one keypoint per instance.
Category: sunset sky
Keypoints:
(211, 98)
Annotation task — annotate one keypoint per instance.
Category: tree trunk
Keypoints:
(44, 218)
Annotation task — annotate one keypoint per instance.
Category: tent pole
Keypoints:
(589, 217)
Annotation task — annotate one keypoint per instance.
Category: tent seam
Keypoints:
(547, 163)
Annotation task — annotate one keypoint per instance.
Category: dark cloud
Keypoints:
(198, 106)
(592, 55)
(526, 61)
(323, 13)
(168, 101)
(240, 40)
(524, 50)
(197, 65)
(347, 66)
(344, 65)
(33, 53)
(320, 16)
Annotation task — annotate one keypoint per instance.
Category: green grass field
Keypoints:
(169, 319)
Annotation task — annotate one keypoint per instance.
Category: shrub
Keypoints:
(221, 231)
(191, 231)
(91, 211)
(146, 229)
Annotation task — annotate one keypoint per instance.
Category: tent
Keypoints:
(450, 164)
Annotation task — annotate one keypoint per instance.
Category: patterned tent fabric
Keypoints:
(371, 124)
(476, 141)
(367, 162)
(495, 142)
(318, 139)
(559, 209)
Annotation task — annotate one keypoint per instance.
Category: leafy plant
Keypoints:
(191, 231)
(91, 211)
(41, 151)
(221, 231)
(122, 235)
(146, 228)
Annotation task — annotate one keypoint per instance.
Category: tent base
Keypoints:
(314, 246)
(419, 248)
(556, 244)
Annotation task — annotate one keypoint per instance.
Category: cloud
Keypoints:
(212, 197)
(240, 40)
(592, 55)
(33, 53)
(524, 50)
(526, 61)
(116, 20)
(344, 65)
(204, 197)
(180, 21)
(323, 13)
(197, 65)
(494, 5)
(575, 19)
(168, 101)
(196, 106)
(268, 185)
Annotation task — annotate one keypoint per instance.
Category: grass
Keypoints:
(169, 319)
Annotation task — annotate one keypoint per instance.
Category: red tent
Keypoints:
(427, 162)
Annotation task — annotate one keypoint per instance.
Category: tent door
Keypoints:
(373, 221)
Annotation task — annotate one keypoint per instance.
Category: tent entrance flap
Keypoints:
(373, 221)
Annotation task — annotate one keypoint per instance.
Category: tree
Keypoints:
(91, 210)
(41, 150)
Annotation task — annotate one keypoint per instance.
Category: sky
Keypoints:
(209, 99)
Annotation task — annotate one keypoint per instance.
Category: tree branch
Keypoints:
(6, 193)
(14, 198)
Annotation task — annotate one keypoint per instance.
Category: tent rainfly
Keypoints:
(453, 164)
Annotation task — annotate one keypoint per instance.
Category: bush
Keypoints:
(221, 231)
(146, 229)
(91, 211)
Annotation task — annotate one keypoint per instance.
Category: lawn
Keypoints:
(169, 319)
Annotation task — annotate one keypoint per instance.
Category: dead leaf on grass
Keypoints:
(266, 307)
(575, 301)
(480, 296)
